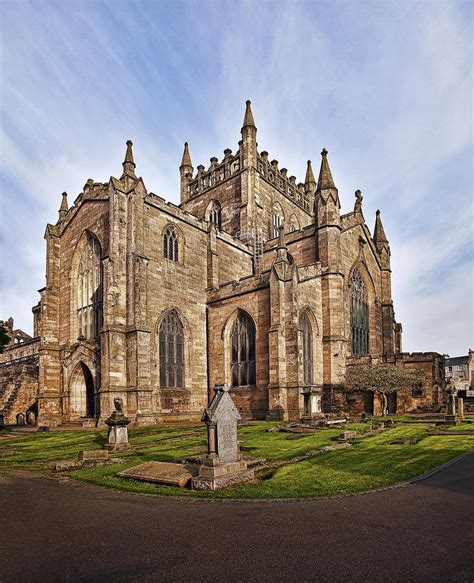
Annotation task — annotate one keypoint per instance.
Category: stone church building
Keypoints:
(255, 280)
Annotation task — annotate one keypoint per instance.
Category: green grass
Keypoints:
(371, 462)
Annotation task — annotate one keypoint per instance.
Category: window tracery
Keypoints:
(89, 291)
(243, 351)
(359, 315)
(170, 244)
(307, 332)
(171, 352)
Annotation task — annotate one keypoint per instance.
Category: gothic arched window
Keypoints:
(171, 347)
(170, 243)
(89, 291)
(243, 351)
(277, 221)
(294, 224)
(307, 333)
(359, 315)
(215, 214)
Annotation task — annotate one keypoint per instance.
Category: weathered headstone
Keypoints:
(451, 418)
(461, 408)
(223, 466)
(312, 396)
(94, 454)
(345, 435)
(160, 473)
(118, 431)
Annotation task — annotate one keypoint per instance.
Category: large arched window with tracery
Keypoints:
(307, 333)
(215, 214)
(243, 351)
(359, 315)
(171, 347)
(89, 291)
(170, 243)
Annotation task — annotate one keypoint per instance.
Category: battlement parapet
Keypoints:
(217, 173)
(279, 179)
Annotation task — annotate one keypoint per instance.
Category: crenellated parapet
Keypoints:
(215, 174)
(279, 179)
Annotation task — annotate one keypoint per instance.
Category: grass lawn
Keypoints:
(371, 462)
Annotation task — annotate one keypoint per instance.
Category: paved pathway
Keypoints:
(62, 530)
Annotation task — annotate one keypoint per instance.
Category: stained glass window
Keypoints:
(243, 351)
(170, 244)
(89, 291)
(171, 347)
(215, 214)
(307, 349)
(359, 315)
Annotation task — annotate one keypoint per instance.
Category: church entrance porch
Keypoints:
(82, 393)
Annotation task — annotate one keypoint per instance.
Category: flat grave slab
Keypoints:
(161, 473)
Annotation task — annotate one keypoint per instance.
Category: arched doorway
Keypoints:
(82, 393)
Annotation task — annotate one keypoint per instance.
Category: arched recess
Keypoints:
(173, 244)
(240, 340)
(359, 268)
(214, 213)
(309, 342)
(169, 320)
(82, 399)
(86, 288)
(294, 224)
(278, 219)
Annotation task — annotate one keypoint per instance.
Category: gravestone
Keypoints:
(223, 466)
(117, 424)
(160, 473)
(451, 418)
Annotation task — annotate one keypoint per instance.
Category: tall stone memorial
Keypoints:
(223, 465)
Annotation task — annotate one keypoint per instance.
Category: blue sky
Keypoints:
(385, 87)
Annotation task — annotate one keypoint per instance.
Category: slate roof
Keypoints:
(456, 360)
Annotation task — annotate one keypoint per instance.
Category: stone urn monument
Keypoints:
(118, 431)
(223, 465)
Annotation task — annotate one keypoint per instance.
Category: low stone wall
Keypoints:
(19, 381)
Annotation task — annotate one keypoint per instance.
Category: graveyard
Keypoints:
(284, 460)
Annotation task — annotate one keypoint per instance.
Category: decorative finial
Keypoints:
(358, 201)
(325, 179)
(64, 207)
(186, 160)
(309, 174)
(129, 163)
(248, 118)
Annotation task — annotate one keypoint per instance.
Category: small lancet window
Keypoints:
(170, 244)
(276, 223)
(359, 315)
(171, 347)
(243, 351)
(215, 214)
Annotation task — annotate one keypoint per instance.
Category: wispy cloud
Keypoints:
(386, 87)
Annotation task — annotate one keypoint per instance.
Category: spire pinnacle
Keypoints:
(186, 160)
(64, 207)
(325, 179)
(129, 163)
(248, 118)
(309, 174)
(379, 234)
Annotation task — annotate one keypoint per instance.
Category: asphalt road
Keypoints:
(61, 530)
